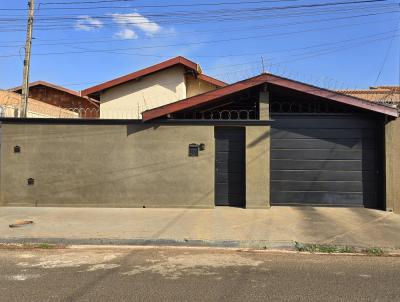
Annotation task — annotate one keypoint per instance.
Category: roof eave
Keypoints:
(143, 72)
(271, 79)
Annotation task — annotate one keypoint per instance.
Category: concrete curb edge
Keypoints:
(253, 244)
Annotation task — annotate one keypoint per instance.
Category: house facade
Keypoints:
(170, 81)
(62, 97)
(265, 141)
(10, 106)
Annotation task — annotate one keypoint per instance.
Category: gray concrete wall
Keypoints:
(392, 156)
(106, 165)
(257, 166)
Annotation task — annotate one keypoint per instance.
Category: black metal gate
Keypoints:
(230, 166)
(326, 160)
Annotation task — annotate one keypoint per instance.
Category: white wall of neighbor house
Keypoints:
(130, 99)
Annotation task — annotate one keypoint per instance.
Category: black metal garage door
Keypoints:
(229, 166)
(325, 160)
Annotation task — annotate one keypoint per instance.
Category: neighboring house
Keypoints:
(63, 98)
(170, 81)
(380, 94)
(264, 141)
(10, 106)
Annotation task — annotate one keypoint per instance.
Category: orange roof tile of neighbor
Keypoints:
(54, 86)
(215, 95)
(44, 83)
(382, 94)
(152, 69)
(10, 104)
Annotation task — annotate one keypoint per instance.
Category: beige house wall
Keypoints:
(128, 100)
(92, 165)
(195, 86)
(392, 157)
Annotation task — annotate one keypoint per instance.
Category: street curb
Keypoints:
(251, 244)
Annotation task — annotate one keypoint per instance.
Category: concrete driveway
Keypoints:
(275, 227)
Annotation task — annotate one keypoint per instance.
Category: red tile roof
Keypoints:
(152, 69)
(214, 95)
(54, 86)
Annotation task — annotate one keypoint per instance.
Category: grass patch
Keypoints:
(44, 246)
(374, 251)
(347, 249)
(320, 248)
(28, 246)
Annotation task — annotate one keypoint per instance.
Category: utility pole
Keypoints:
(27, 60)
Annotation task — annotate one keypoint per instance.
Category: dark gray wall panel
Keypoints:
(331, 144)
(323, 198)
(301, 133)
(324, 160)
(230, 166)
(323, 122)
(331, 165)
(323, 154)
(328, 186)
(312, 175)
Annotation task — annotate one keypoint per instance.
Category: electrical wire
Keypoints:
(136, 48)
(385, 59)
(324, 4)
(195, 4)
(177, 21)
(223, 31)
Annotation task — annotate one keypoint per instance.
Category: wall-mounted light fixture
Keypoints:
(202, 147)
(193, 150)
(31, 181)
(17, 149)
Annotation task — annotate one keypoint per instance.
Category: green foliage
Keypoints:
(347, 249)
(374, 251)
(318, 248)
(44, 246)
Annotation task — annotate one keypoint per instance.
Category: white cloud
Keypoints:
(126, 34)
(88, 23)
(136, 20)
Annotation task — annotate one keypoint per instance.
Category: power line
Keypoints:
(197, 13)
(333, 50)
(206, 12)
(306, 55)
(325, 4)
(175, 5)
(223, 31)
(189, 21)
(335, 47)
(385, 58)
(173, 45)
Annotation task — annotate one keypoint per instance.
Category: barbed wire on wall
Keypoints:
(388, 96)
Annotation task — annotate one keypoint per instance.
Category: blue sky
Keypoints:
(79, 45)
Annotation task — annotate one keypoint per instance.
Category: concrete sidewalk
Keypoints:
(275, 227)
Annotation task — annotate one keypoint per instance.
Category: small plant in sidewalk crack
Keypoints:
(319, 248)
(374, 251)
(43, 246)
(347, 249)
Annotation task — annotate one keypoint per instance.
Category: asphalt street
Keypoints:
(183, 274)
